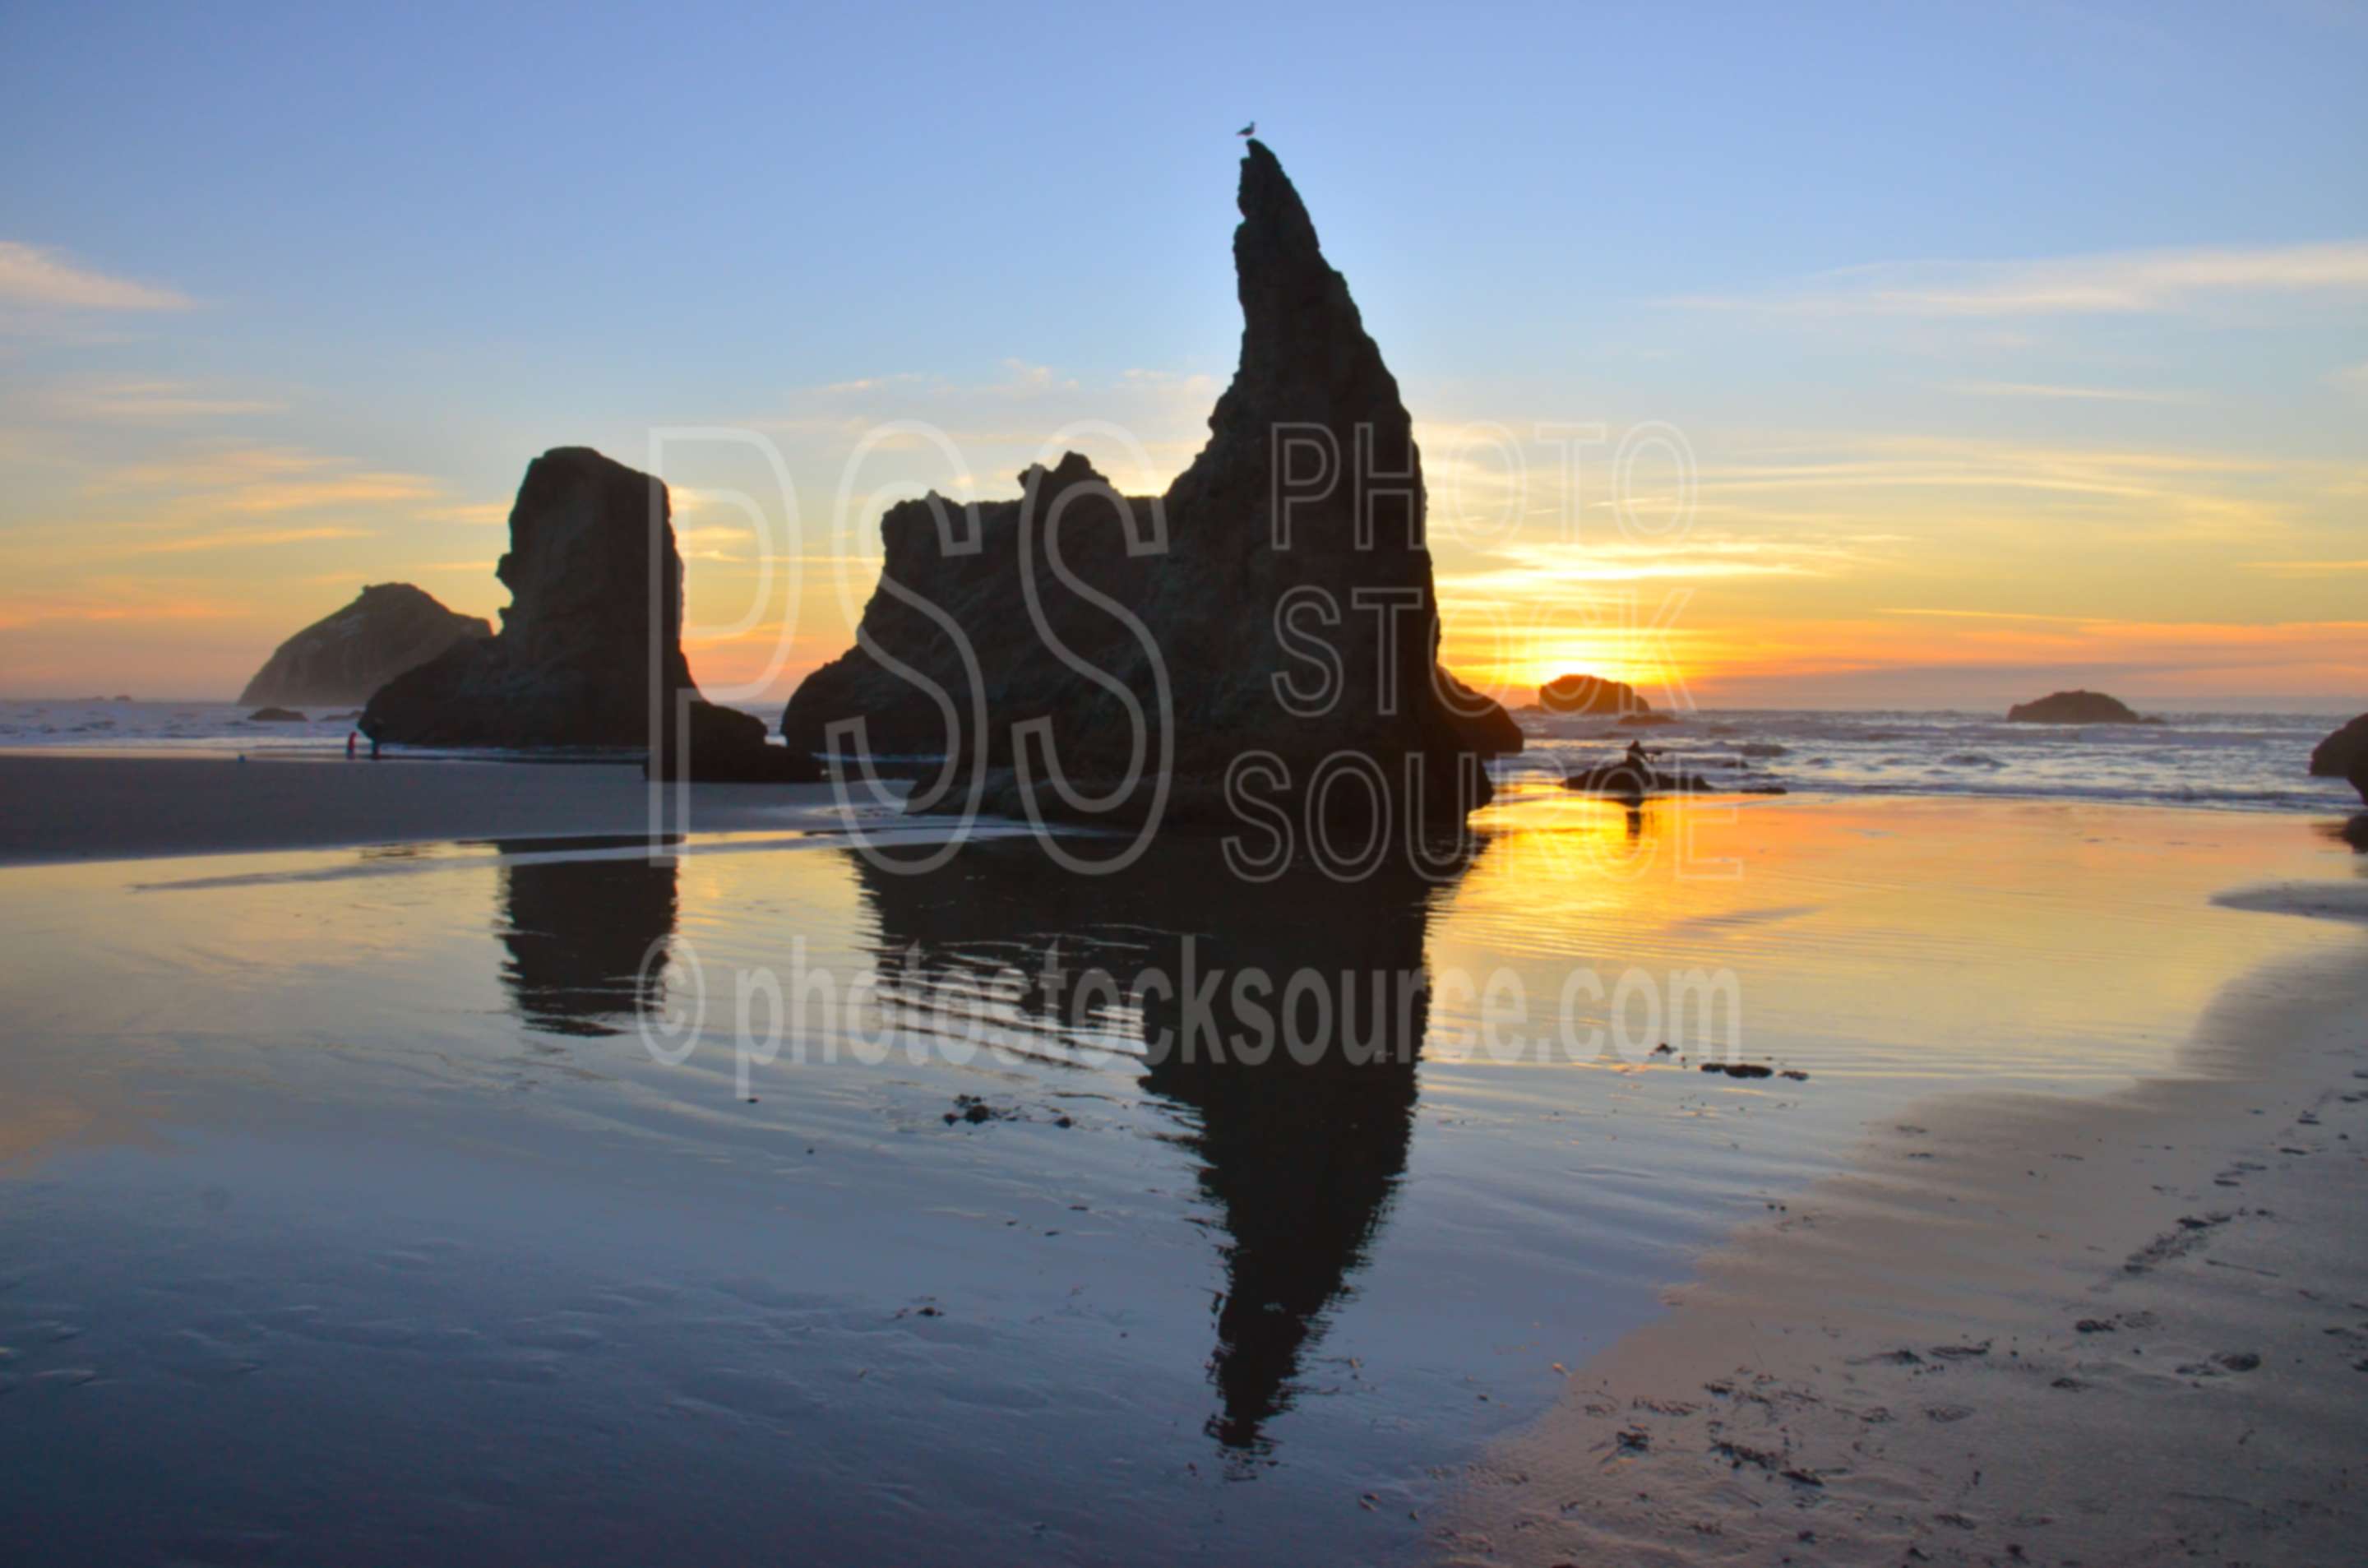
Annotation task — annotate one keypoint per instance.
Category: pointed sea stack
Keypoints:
(1288, 559)
(340, 659)
(572, 666)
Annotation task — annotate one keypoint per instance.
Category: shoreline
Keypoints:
(2155, 1277)
(75, 805)
(72, 809)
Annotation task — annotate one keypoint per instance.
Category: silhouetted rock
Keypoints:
(728, 747)
(2076, 707)
(1630, 779)
(275, 716)
(342, 658)
(1590, 693)
(2344, 754)
(579, 656)
(571, 666)
(1487, 730)
(1201, 572)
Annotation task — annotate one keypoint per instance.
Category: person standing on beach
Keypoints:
(353, 738)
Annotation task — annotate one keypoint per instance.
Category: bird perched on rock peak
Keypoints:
(1249, 129)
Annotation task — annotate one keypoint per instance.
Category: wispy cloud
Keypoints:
(119, 606)
(2304, 568)
(1998, 615)
(31, 275)
(149, 403)
(2045, 391)
(243, 539)
(254, 480)
(2135, 282)
(479, 512)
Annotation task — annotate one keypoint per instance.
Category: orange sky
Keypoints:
(1794, 570)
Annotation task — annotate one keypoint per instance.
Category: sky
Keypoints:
(1871, 356)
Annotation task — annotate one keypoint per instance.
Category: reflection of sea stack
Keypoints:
(343, 657)
(579, 657)
(1299, 1158)
(580, 933)
(1308, 494)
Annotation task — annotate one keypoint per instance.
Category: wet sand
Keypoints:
(2018, 1329)
(112, 808)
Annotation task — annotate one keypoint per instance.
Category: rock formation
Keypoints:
(1590, 693)
(2344, 754)
(275, 716)
(340, 659)
(2076, 707)
(1285, 553)
(727, 747)
(1632, 779)
(572, 664)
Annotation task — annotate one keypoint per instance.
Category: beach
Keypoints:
(64, 806)
(2014, 1328)
(438, 1181)
(1303, 829)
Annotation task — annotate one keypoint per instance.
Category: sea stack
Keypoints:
(1590, 695)
(2344, 754)
(2341, 752)
(2076, 707)
(1277, 599)
(340, 659)
(579, 656)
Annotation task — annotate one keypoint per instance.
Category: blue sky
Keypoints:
(428, 242)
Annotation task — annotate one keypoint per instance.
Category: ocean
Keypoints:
(2244, 761)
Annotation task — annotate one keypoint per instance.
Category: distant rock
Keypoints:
(1201, 572)
(275, 716)
(2344, 754)
(2076, 707)
(728, 747)
(1590, 693)
(572, 664)
(342, 658)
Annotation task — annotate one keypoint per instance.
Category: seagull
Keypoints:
(1249, 129)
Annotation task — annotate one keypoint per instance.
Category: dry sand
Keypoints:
(2124, 1330)
(102, 808)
